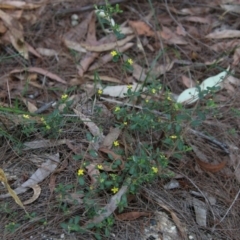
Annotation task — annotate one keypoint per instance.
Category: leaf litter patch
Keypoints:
(178, 47)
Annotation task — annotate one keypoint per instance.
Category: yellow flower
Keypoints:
(116, 143)
(114, 53)
(48, 127)
(173, 137)
(146, 100)
(26, 116)
(125, 123)
(64, 96)
(129, 86)
(100, 166)
(169, 99)
(80, 172)
(114, 190)
(100, 91)
(155, 169)
(130, 61)
(153, 91)
(117, 109)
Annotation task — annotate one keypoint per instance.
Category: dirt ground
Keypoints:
(184, 42)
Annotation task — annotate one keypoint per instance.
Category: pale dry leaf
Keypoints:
(91, 56)
(30, 106)
(188, 82)
(41, 71)
(94, 129)
(121, 90)
(108, 46)
(93, 173)
(104, 78)
(200, 209)
(162, 69)
(203, 20)
(32, 50)
(42, 172)
(74, 45)
(47, 52)
(15, 33)
(111, 137)
(141, 28)
(233, 80)
(228, 45)
(171, 37)
(11, 193)
(181, 30)
(224, 34)
(109, 208)
(43, 144)
(36, 193)
(18, 5)
(195, 10)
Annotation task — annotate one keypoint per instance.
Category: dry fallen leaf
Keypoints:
(141, 28)
(171, 37)
(224, 34)
(213, 168)
(111, 137)
(130, 216)
(93, 173)
(12, 193)
(36, 193)
(40, 71)
(15, 33)
(188, 82)
(109, 208)
(18, 5)
(42, 172)
(31, 107)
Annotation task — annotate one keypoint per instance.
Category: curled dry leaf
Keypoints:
(213, 168)
(36, 193)
(130, 216)
(42, 172)
(43, 144)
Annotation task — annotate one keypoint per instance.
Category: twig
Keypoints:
(86, 8)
